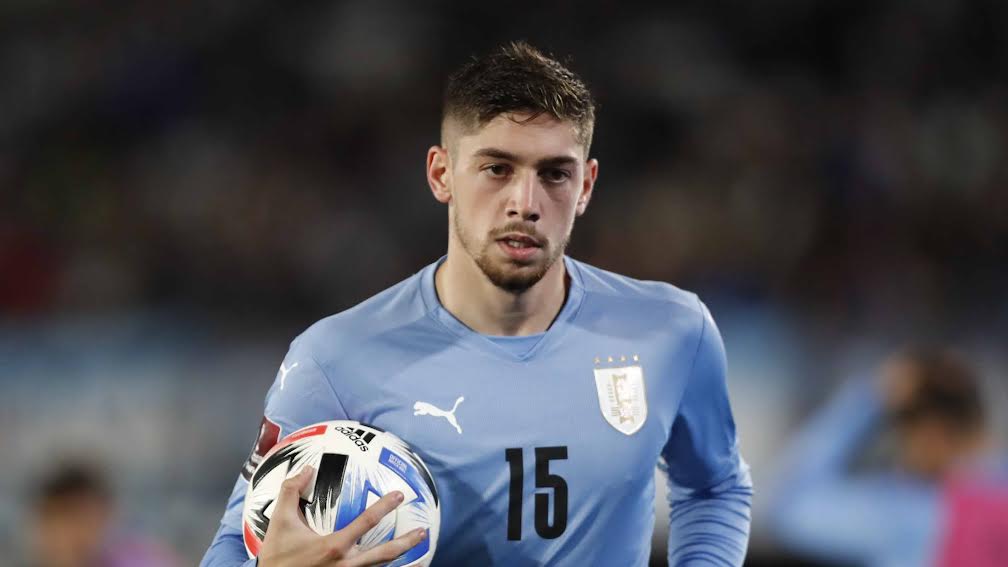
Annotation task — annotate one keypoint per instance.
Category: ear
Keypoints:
(439, 173)
(591, 174)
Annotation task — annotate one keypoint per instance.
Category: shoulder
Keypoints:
(612, 289)
(394, 310)
(619, 305)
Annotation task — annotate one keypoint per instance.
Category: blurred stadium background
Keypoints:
(186, 186)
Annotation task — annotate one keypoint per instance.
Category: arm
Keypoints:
(818, 506)
(710, 491)
(301, 395)
(227, 548)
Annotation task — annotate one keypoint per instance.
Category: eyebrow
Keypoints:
(552, 161)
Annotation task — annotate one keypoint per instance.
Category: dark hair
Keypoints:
(518, 78)
(947, 388)
(71, 480)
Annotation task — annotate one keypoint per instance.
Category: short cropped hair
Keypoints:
(517, 77)
(70, 480)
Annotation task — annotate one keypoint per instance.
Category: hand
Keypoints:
(898, 383)
(290, 542)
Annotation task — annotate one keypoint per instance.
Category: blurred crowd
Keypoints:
(845, 160)
(829, 176)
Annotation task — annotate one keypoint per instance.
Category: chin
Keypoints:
(512, 277)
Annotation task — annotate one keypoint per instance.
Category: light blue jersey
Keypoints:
(543, 448)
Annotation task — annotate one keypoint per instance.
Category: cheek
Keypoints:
(476, 195)
(563, 208)
(474, 216)
(922, 448)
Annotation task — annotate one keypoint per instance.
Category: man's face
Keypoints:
(515, 187)
(69, 530)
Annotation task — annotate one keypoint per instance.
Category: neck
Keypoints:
(466, 292)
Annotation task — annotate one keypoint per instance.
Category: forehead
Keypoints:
(542, 136)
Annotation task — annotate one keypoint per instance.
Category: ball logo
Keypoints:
(397, 463)
(360, 437)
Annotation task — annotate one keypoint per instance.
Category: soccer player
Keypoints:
(540, 391)
(946, 504)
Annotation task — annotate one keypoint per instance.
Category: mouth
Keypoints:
(519, 241)
(520, 248)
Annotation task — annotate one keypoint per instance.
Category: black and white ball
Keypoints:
(355, 465)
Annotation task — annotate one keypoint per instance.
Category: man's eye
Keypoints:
(555, 175)
(498, 170)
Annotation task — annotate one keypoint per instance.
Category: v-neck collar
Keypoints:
(478, 341)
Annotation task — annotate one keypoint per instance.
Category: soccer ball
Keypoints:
(355, 465)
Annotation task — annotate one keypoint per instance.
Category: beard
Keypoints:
(510, 275)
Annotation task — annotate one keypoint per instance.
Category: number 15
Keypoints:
(543, 479)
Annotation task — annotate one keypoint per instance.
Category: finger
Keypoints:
(389, 550)
(290, 494)
(368, 519)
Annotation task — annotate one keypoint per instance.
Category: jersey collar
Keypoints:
(568, 312)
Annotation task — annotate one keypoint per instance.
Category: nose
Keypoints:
(523, 199)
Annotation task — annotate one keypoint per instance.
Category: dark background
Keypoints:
(184, 187)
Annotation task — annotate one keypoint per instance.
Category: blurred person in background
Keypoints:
(946, 501)
(73, 524)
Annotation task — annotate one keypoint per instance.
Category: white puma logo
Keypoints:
(423, 408)
(283, 374)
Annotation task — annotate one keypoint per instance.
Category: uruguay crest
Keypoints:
(621, 397)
